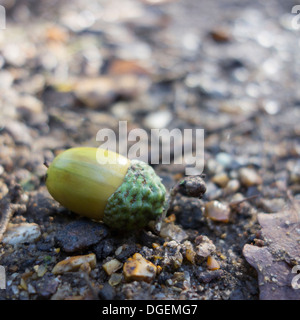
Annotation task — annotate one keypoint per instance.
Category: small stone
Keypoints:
(232, 186)
(224, 159)
(213, 191)
(189, 251)
(220, 35)
(107, 292)
(95, 93)
(191, 186)
(204, 248)
(31, 289)
(221, 179)
(217, 211)
(158, 120)
(30, 104)
(20, 132)
(21, 233)
(74, 263)
(295, 173)
(188, 211)
(208, 276)
(40, 270)
(115, 279)
(104, 248)
(273, 205)
(171, 231)
(212, 263)
(81, 234)
(138, 268)
(172, 257)
(112, 266)
(249, 177)
(47, 286)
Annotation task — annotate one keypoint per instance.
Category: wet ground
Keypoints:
(69, 69)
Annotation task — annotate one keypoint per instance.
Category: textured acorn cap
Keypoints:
(140, 198)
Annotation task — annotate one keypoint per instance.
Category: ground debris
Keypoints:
(74, 263)
(80, 235)
(274, 261)
(139, 269)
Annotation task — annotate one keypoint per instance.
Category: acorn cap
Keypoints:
(140, 198)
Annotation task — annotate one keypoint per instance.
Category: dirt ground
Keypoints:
(71, 68)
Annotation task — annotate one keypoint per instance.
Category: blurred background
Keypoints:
(71, 68)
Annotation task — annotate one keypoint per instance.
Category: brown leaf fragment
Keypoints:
(274, 277)
(282, 233)
(275, 261)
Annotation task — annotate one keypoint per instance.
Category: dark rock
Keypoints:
(80, 234)
(104, 248)
(188, 212)
(107, 292)
(191, 186)
(46, 287)
(208, 276)
(127, 251)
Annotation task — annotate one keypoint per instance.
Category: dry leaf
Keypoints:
(274, 262)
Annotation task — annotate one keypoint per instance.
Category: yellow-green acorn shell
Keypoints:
(103, 185)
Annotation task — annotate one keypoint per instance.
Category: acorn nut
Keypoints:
(106, 186)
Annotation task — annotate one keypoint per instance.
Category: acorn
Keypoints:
(105, 186)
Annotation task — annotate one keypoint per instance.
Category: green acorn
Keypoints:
(103, 185)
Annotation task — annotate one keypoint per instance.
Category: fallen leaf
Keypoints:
(275, 261)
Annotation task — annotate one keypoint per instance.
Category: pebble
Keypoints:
(172, 256)
(190, 253)
(115, 279)
(21, 233)
(107, 292)
(273, 205)
(171, 231)
(224, 159)
(212, 263)
(95, 93)
(221, 179)
(40, 270)
(30, 104)
(208, 276)
(80, 234)
(19, 131)
(295, 173)
(74, 263)
(217, 211)
(232, 186)
(158, 120)
(100, 92)
(220, 35)
(249, 177)
(139, 269)
(47, 286)
(213, 191)
(204, 248)
(112, 266)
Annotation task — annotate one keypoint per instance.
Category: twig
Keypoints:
(8, 205)
(7, 212)
(238, 202)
